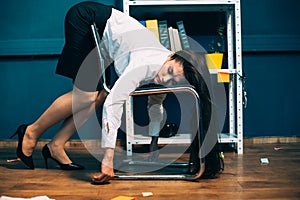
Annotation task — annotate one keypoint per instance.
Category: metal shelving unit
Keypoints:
(231, 8)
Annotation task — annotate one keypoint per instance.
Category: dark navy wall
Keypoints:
(35, 27)
(31, 39)
(273, 90)
(28, 86)
(271, 55)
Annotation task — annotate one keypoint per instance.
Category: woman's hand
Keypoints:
(107, 171)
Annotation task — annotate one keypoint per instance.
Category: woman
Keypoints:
(138, 59)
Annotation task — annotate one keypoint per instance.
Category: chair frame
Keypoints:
(130, 123)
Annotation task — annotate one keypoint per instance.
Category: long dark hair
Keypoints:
(197, 74)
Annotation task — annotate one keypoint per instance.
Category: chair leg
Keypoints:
(191, 170)
(154, 153)
(194, 161)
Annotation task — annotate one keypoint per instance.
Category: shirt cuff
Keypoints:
(109, 139)
(154, 128)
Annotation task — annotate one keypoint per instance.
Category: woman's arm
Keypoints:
(114, 104)
(155, 111)
(111, 118)
(107, 171)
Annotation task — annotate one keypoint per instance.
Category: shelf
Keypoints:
(185, 6)
(182, 2)
(215, 71)
(191, 11)
(227, 138)
(183, 138)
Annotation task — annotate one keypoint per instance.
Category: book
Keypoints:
(143, 22)
(164, 34)
(176, 38)
(183, 36)
(172, 44)
(152, 25)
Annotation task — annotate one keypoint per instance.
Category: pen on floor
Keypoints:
(13, 160)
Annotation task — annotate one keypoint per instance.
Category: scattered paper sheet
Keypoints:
(124, 198)
(147, 194)
(264, 161)
(18, 198)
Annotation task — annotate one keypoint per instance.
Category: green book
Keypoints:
(164, 34)
(183, 37)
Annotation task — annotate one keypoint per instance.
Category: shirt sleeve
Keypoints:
(114, 103)
(155, 111)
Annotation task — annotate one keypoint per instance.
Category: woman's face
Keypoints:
(171, 73)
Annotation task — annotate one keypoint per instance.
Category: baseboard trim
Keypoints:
(271, 140)
(79, 143)
(69, 144)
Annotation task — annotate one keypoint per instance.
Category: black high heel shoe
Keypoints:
(72, 166)
(27, 160)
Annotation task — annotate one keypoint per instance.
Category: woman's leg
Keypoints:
(59, 110)
(68, 128)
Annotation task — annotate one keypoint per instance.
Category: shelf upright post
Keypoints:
(230, 55)
(239, 73)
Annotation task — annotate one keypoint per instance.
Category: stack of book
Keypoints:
(174, 39)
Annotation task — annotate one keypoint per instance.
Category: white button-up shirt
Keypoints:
(138, 56)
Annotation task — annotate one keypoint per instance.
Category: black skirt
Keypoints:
(78, 39)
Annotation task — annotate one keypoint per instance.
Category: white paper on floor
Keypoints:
(18, 198)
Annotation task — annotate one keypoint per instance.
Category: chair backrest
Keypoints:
(97, 40)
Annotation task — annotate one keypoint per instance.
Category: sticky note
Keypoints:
(124, 198)
(264, 161)
(223, 77)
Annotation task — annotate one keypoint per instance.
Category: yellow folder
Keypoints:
(152, 25)
(124, 198)
(223, 77)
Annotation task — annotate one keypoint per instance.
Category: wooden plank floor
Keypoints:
(244, 178)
